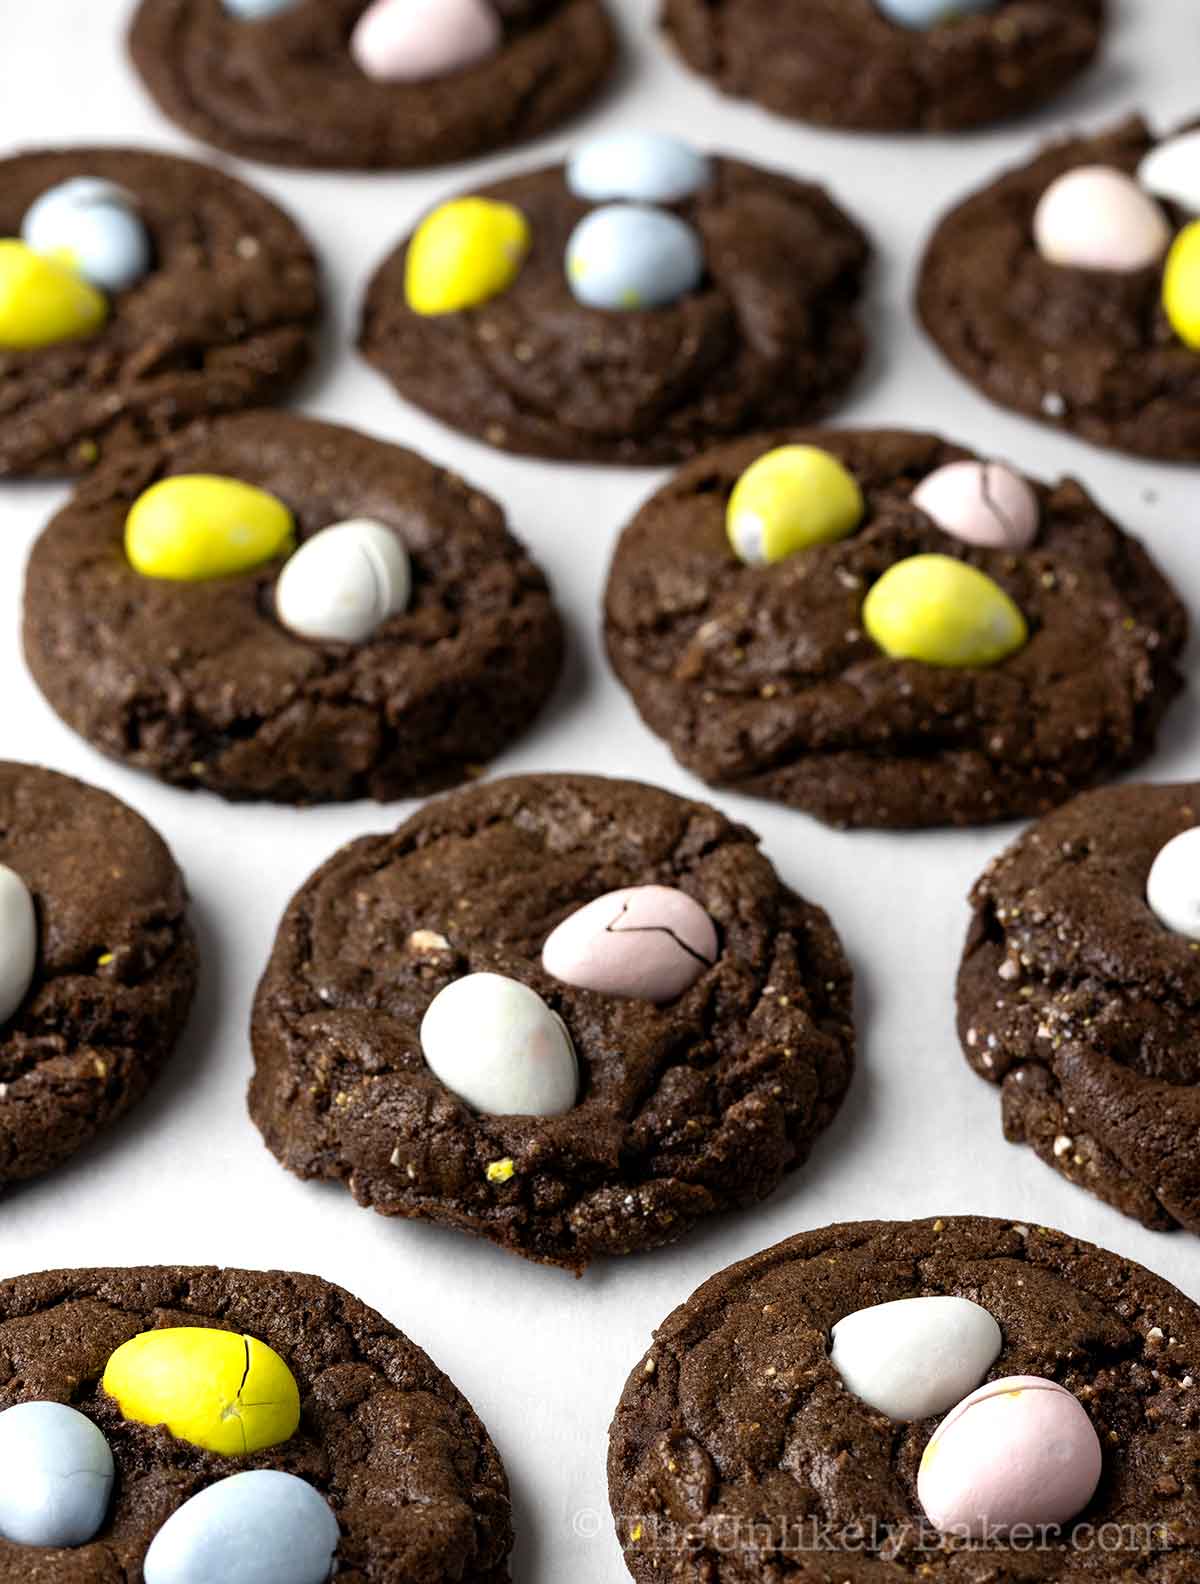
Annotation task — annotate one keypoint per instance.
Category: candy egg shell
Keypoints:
(981, 503)
(649, 943)
(215, 1389)
(915, 1357)
(1172, 171)
(1173, 886)
(463, 254)
(943, 612)
(1181, 285)
(344, 582)
(43, 302)
(1096, 217)
(94, 227)
(257, 10)
(932, 13)
(416, 40)
(197, 526)
(260, 1527)
(496, 1044)
(641, 167)
(56, 1476)
(789, 500)
(18, 942)
(1019, 1451)
(627, 256)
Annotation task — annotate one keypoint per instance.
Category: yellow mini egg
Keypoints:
(199, 526)
(789, 500)
(1181, 285)
(463, 253)
(943, 612)
(215, 1389)
(43, 301)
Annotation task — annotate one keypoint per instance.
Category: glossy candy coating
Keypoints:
(258, 10)
(94, 228)
(56, 1476)
(496, 1044)
(916, 1357)
(789, 500)
(1173, 885)
(649, 943)
(943, 612)
(344, 583)
(1172, 171)
(260, 1527)
(43, 301)
(18, 942)
(932, 13)
(625, 256)
(981, 503)
(1097, 218)
(463, 254)
(1181, 286)
(418, 40)
(196, 526)
(637, 167)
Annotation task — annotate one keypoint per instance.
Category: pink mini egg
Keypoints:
(1097, 218)
(646, 943)
(1019, 1452)
(416, 40)
(981, 503)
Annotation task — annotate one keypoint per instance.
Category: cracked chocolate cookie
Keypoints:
(381, 1442)
(756, 1439)
(609, 1108)
(1077, 1000)
(844, 63)
(97, 964)
(317, 83)
(419, 637)
(635, 331)
(768, 622)
(1061, 315)
(197, 296)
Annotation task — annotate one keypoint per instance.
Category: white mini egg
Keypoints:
(1172, 171)
(627, 256)
(260, 1527)
(496, 1044)
(56, 1476)
(640, 167)
(1173, 887)
(96, 223)
(916, 1357)
(344, 583)
(1095, 217)
(18, 942)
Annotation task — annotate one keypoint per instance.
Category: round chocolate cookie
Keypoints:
(417, 1489)
(1078, 1002)
(740, 1452)
(287, 88)
(681, 1109)
(770, 335)
(223, 319)
(200, 683)
(97, 963)
(762, 677)
(1089, 350)
(844, 63)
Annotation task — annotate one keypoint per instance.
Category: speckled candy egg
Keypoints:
(496, 1044)
(1173, 886)
(932, 13)
(938, 610)
(638, 167)
(981, 503)
(628, 256)
(1172, 171)
(56, 1476)
(18, 942)
(260, 1527)
(44, 301)
(916, 1357)
(1019, 1451)
(417, 40)
(648, 943)
(94, 225)
(1097, 218)
(344, 582)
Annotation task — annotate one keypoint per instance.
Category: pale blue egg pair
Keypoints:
(257, 10)
(56, 1475)
(96, 225)
(932, 13)
(260, 1527)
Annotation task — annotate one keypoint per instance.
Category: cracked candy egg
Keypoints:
(647, 943)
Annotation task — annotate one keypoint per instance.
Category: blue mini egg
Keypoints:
(56, 1475)
(625, 256)
(95, 222)
(932, 13)
(260, 1527)
(642, 167)
(257, 10)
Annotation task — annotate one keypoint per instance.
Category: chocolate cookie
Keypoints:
(200, 683)
(682, 1109)
(739, 1451)
(223, 319)
(97, 965)
(288, 88)
(764, 679)
(1077, 1002)
(416, 1486)
(1087, 350)
(844, 63)
(768, 336)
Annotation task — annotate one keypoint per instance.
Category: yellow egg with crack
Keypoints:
(464, 253)
(43, 301)
(943, 612)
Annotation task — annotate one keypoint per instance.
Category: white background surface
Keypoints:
(186, 1178)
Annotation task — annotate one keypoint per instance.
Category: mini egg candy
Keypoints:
(496, 1044)
(915, 1357)
(18, 942)
(94, 227)
(1181, 286)
(258, 10)
(639, 167)
(943, 612)
(1173, 887)
(215, 1389)
(1172, 171)
(344, 582)
(43, 301)
(1097, 218)
(981, 503)
(418, 40)
(260, 1527)
(648, 943)
(463, 254)
(628, 256)
(196, 526)
(789, 500)
(56, 1476)
(932, 13)
(1017, 1452)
